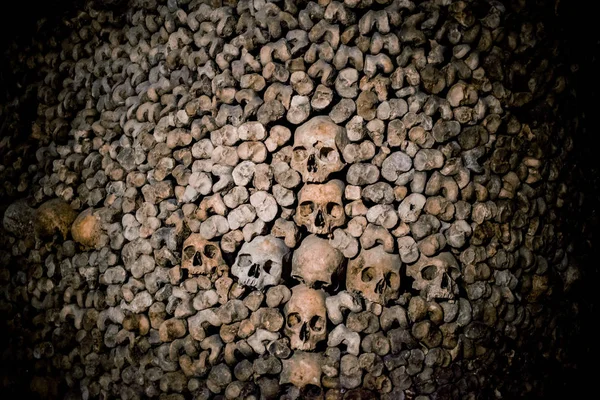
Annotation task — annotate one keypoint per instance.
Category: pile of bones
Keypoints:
(287, 199)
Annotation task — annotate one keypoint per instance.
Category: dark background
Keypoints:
(577, 25)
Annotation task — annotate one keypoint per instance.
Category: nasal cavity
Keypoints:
(319, 220)
(311, 164)
(304, 332)
(380, 287)
(445, 282)
(197, 259)
(254, 271)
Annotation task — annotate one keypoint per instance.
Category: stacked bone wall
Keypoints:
(289, 199)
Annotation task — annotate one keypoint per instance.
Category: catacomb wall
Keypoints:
(358, 199)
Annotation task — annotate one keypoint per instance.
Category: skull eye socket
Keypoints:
(210, 251)
(189, 252)
(429, 273)
(317, 323)
(367, 275)
(445, 282)
(244, 260)
(328, 154)
(306, 208)
(393, 280)
(300, 154)
(335, 210)
(293, 319)
(267, 266)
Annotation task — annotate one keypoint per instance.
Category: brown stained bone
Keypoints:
(305, 318)
(201, 256)
(87, 229)
(318, 144)
(302, 369)
(320, 207)
(375, 275)
(436, 276)
(53, 217)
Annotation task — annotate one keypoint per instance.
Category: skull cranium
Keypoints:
(375, 274)
(436, 276)
(201, 256)
(316, 262)
(302, 369)
(320, 207)
(317, 149)
(260, 262)
(305, 318)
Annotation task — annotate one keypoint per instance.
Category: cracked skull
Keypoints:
(435, 276)
(317, 149)
(320, 207)
(375, 274)
(201, 256)
(305, 318)
(316, 262)
(260, 262)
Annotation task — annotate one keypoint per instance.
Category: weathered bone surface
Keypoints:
(260, 262)
(305, 318)
(288, 199)
(316, 263)
(317, 149)
(320, 207)
(375, 275)
(201, 256)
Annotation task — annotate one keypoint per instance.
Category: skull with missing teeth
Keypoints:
(201, 256)
(375, 274)
(260, 262)
(436, 276)
(316, 262)
(318, 144)
(320, 207)
(305, 318)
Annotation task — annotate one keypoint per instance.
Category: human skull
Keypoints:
(375, 274)
(260, 262)
(302, 369)
(201, 256)
(316, 262)
(436, 276)
(320, 207)
(318, 144)
(305, 318)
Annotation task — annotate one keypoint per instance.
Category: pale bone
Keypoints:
(316, 263)
(341, 301)
(195, 323)
(342, 335)
(213, 204)
(345, 243)
(258, 339)
(260, 262)
(278, 295)
(374, 235)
